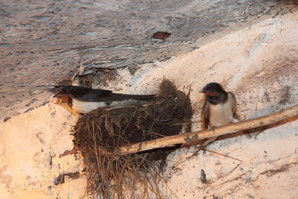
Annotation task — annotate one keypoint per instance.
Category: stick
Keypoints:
(187, 138)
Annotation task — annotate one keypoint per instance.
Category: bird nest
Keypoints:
(99, 133)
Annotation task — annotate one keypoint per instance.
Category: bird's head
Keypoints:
(65, 90)
(213, 89)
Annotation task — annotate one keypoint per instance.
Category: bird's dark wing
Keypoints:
(234, 107)
(121, 97)
(89, 94)
(100, 95)
(205, 115)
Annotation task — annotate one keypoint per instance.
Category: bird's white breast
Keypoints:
(222, 114)
(85, 107)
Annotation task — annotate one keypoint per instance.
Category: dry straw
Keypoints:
(102, 131)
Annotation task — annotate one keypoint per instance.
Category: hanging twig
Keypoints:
(188, 138)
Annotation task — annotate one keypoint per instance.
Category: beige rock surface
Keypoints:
(259, 63)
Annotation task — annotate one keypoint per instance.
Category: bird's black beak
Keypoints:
(58, 94)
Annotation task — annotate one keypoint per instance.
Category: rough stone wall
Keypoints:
(258, 63)
(44, 42)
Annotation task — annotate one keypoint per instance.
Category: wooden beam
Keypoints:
(187, 138)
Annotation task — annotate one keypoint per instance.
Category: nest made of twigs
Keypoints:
(99, 133)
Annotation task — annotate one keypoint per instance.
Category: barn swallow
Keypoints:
(84, 100)
(219, 108)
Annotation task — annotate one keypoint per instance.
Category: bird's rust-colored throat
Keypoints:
(211, 93)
